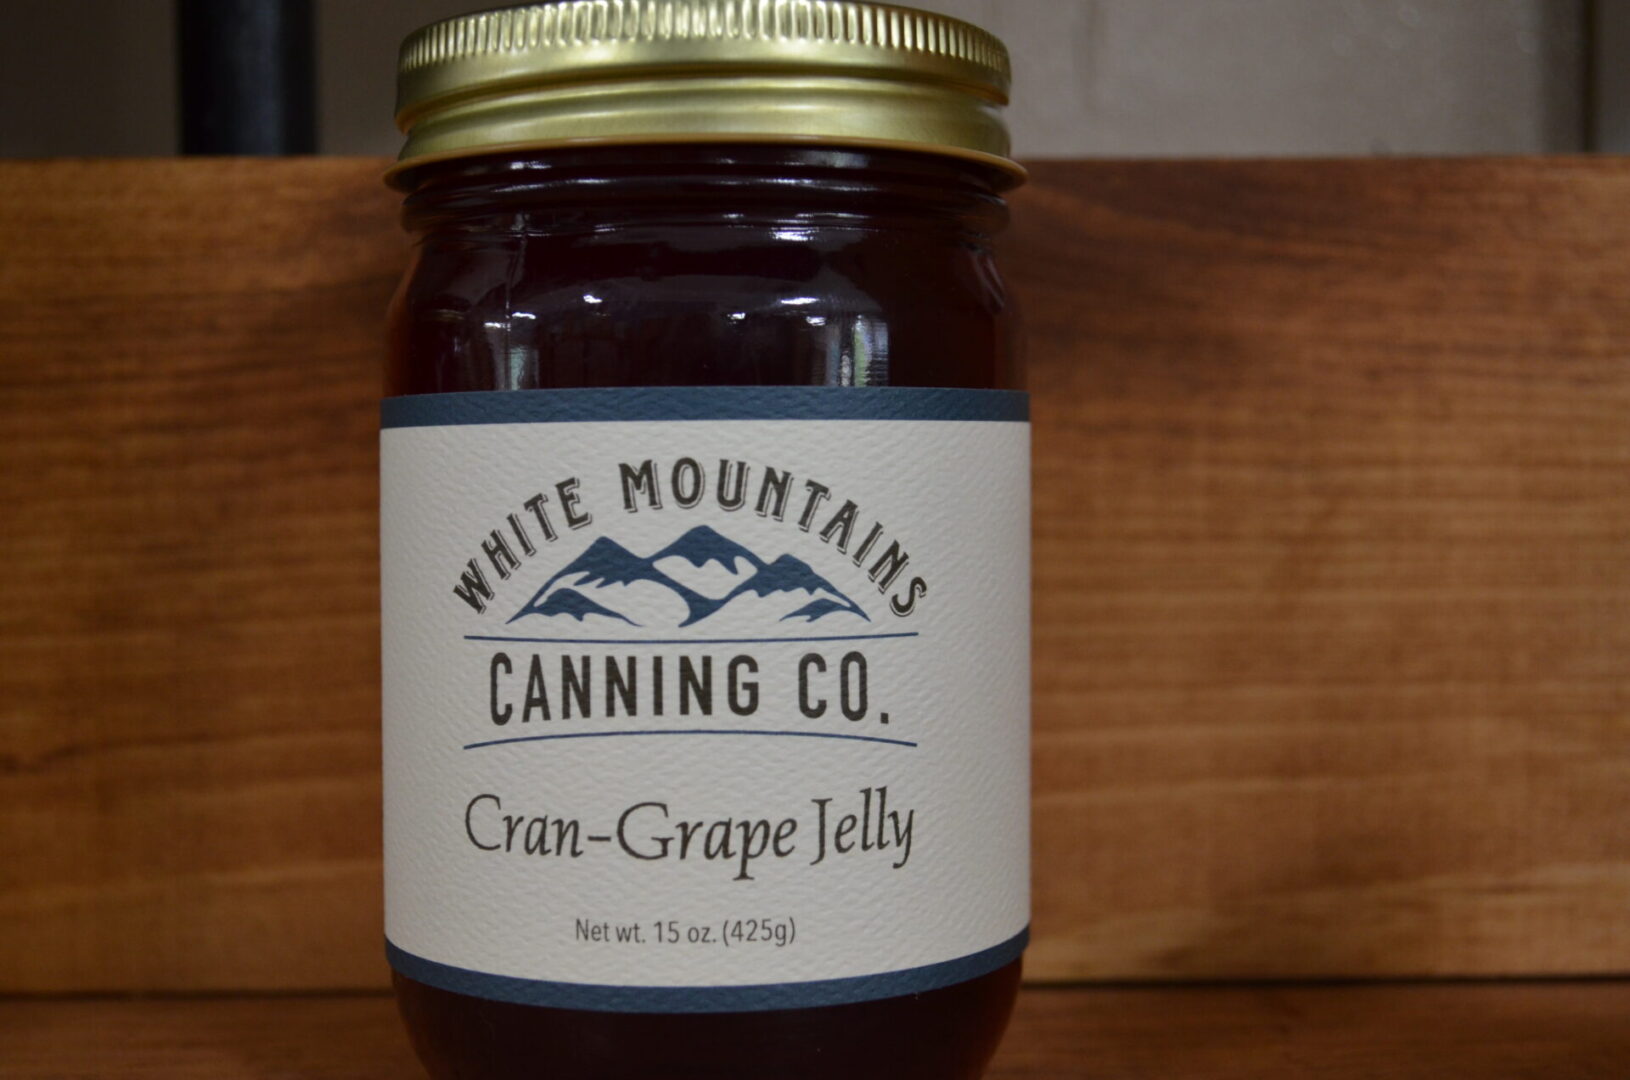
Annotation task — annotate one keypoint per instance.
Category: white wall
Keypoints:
(86, 77)
(1291, 76)
(1110, 77)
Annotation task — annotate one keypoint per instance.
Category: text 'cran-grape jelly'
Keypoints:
(705, 546)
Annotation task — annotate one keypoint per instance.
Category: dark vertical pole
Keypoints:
(1590, 19)
(247, 76)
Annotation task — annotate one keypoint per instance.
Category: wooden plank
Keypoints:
(1560, 1031)
(189, 790)
(1332, 565)
(1333, 596)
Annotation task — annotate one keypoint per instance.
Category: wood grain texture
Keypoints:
(1332, 567)
(1332, 562)
(1457, 1032)
(188, 787)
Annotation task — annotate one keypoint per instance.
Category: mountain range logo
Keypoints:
(700, 576)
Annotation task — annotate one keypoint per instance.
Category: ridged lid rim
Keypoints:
(452, 70)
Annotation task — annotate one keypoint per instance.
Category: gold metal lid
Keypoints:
(576, 72)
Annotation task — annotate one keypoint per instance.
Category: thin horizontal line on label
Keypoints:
(691, 731)
(660, 403)
(684, 641)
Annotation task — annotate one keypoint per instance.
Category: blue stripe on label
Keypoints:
(704, 403)
(706, 999)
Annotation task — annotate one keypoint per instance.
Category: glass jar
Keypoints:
(635, 307)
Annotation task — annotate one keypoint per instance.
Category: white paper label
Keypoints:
(705, 699)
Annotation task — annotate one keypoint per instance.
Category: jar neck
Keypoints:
(753, 185)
